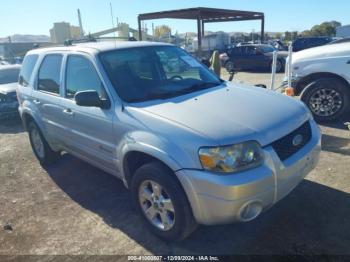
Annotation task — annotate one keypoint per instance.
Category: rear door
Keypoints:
(46, 96)
(89, 129)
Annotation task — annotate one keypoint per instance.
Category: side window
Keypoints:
(27, 69)
(178, 65)
(250, 50)
(237, 51)
(82, 76)
(50, 73)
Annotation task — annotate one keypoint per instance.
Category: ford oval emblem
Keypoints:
(297, 140)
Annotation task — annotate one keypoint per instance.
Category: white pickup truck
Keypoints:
(321, 77)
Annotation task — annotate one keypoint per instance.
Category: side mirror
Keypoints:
(88, 98)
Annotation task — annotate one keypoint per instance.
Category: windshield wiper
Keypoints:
(169, 94)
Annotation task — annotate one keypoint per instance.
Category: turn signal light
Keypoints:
(289, 91)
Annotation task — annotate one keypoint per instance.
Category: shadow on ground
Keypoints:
(338, 124)
(313, 219)
(336, 144)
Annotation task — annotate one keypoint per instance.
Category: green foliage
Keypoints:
(324, 29)
(161, 30)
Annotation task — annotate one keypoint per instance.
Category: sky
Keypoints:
(38, 16)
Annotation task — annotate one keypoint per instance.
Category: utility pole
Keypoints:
(80, 25)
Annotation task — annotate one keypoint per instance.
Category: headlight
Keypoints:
(231, 158)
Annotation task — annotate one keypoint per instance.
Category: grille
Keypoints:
(284, 146)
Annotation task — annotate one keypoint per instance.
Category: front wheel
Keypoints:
(161, 201)
(327, 98)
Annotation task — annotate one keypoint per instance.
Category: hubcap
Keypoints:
(156, 205)
(37, 143)
(325, 102)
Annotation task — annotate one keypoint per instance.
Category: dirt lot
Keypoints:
(74, 208)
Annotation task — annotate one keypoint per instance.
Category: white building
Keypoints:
(216, 41)
(343, 31)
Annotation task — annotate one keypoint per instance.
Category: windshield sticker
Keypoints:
(190, 61)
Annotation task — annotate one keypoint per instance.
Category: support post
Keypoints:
(273, 73)
(140, 29)
(199, 36)
(202, 28)
(262, 29)
(290, 69)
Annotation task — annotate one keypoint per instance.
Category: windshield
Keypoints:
(9, 76)
(267, 49)
(155, 72)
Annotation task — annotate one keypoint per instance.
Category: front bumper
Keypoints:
(219, 199)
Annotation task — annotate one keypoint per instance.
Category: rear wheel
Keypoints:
(229, 66)
(279, 66)
(160, 199)
(40, 147)
(327, 98)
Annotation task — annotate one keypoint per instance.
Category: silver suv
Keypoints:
(192, 148)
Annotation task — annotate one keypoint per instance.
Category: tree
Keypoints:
(278, 36)
(324, 29)
(294, 35)
(287, 36)
(162, 30)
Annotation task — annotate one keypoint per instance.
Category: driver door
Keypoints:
(90, 129)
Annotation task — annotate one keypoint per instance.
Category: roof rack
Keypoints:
(90, 38)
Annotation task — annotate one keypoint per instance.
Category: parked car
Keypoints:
(193, 149)
(321, 76)
(8, 84)
(255, 56)
(302, 43)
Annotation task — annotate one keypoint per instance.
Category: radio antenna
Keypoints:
(115, 40)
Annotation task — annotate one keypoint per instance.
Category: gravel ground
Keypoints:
(74, 208)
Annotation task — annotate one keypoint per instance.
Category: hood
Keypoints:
(8, 88)
(324, 51)
(230, 114)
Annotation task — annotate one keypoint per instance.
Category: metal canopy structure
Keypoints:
(205, 15)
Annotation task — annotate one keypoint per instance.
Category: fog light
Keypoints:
(250, 211)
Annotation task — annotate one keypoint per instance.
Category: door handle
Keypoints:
(36, 101)
(68, 111)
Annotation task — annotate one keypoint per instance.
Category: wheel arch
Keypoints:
(135, 158)
(305, 81)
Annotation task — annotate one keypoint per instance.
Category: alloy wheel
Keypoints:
(325, 102)
(156, 205)
(37, 142)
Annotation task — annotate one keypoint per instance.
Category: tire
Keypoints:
(181, 222)
(45, 154)
(279, 66)
(327, 98)
(230, 67)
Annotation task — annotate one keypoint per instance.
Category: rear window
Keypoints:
(50, 73)
(27, 69)
(9, 75)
